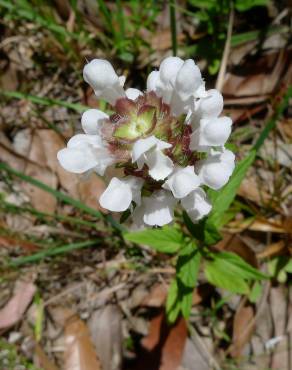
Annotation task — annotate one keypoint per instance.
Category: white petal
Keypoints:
(160, 165)
(152, 81)
(88, 152)
(182, 182)
(133, 94)
(136, 185)
(188, 79)
(83, 141)
(169, 69)
(117, 197)
(212, 105)
(196, 204)
(216, 170)
(142, 146)
(99, 73)
(92, 121)
(159, 208)
(122, 80)
(137, 217)
(211, 132)
(77, 160)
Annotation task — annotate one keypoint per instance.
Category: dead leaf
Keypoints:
(79, 351)
(6, 241)
(41, 360)
(156, 297)
(13, 311)
(52, 143)
(251, 190)
(232, 243)
(105, 326)
(272, 250)
(164, 346)
(242, 328)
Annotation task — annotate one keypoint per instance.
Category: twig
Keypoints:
(221, 74)
(173, 26)
(209, 358)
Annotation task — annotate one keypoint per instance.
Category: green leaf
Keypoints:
(238, 266)
(165, 240)
(204, 230)
(228, 271)
(222, 278)
(255, 292)
(180, 295)
(244, 5)
(187, 266)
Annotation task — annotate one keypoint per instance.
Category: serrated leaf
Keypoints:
(236, 265)
(165, 240)
(222, 278)
(180, 295)
(229, 271)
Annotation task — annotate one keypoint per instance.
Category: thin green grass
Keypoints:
(63, 197)
(44, 101)
(172, 16)
(36, 257)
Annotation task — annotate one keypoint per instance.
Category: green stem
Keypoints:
(173, 26)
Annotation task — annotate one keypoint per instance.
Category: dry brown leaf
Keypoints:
(90, 190)
(260, 78)
(233, 243)
(79, 351)
(105, 326)
(164, 345)
(272, 250)
(52, 143)
(41, 360)
(40, 199)
(250, 189)
(258, 225)
(242, 329)
(156, 297)
(6, 241)
(13, 311)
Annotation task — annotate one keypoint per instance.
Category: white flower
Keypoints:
(84, 153)
(92, 121)
(101, 76)
(196, 204)
(156, 137)
(119, 194)
(211, 132)
(149, 151)
(182, 182)
(216, 169)
(178, 83)
(133, 94)
(158, 208)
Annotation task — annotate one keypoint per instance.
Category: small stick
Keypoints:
(221, 74)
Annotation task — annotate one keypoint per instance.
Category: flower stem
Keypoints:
(173, 26)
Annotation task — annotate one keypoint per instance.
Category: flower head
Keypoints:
(169, 141)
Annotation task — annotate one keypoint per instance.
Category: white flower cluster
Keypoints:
(169, 139)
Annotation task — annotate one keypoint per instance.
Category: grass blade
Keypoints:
(52, 252)
(44, 101)
(172, 6)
